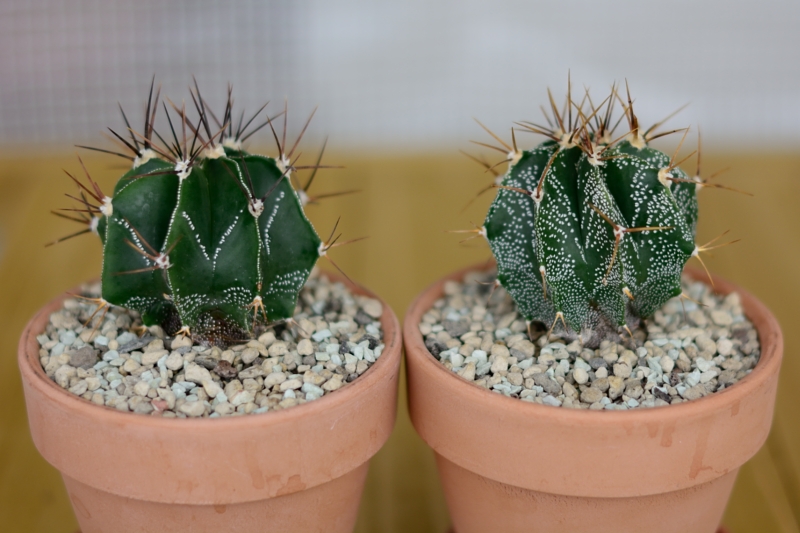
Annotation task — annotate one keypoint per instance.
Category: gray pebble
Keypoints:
(85, 357)
(362, 319)
(597, 362)
(456, 328)
(550, 385)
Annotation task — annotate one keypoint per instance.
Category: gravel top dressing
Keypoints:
(684, 352)
(335, 338)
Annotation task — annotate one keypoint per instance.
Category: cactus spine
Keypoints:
(591, 233)
(200, 236)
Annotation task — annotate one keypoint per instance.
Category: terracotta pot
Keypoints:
(513, 466)
(300, 469)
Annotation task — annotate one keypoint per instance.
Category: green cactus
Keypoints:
(591, 234)
(200, 236)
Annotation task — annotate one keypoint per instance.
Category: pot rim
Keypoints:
(262, 455)
(579, 453)
(28, 360)
(770, 340)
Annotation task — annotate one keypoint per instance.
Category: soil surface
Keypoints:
(112, 360)
(690, 348)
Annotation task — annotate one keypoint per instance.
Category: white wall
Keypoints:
(400, 75)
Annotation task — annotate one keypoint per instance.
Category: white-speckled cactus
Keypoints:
(591, 233)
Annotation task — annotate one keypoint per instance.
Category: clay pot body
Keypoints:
(513, 466)
(301, 469)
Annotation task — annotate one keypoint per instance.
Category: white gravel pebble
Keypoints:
(241, 397)
(181, 341)
(277, 348)
(335, 383)
(224, 408)
(707, 376)
(724, 347)
(290, 384)
(499, 365)
(152, 357)
(580, 375)
(212, 388)
(275, 378)
(249, 355)
(79, 388)
(551, 400)
(196, 373)
(174, 361)
(305, 347)
(372, 307)
(141, 388)
(193, 409)
(702, 364)
(321, 335)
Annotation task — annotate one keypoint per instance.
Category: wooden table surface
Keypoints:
(406, 204)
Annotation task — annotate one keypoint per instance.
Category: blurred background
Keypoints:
(398, 85)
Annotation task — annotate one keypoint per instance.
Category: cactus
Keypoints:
(590, 233)
(200, 236)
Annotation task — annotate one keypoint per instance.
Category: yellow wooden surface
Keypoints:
(406, 205)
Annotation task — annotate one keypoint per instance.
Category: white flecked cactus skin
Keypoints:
(591, 233)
